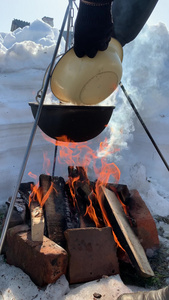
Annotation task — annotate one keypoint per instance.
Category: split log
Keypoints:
(81, 189)
(125, 234)
(54, 208)
(37, 222)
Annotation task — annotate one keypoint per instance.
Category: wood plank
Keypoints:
(132, 244)
(37, 222)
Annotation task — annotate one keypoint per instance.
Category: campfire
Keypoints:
(78, 227)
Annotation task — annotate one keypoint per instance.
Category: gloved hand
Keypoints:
(93, 27)
(162, 294)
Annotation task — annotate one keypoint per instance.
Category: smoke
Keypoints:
(145, 77)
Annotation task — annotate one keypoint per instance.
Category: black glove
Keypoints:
(93, 27)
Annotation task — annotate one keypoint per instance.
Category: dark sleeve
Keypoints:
(129, 17)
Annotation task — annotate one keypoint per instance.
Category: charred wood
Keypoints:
(72, 209)
(55, 208)
(81, 189)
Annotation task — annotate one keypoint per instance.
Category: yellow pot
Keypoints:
(88, 81)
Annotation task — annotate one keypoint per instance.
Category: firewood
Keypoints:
(86, 193)
(81, 190)
(71, 209)
(125, 234)
(37, 222)
(55, 208)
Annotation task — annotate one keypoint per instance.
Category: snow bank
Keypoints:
(24, 57)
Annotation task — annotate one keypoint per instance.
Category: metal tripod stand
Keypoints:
(68, 17)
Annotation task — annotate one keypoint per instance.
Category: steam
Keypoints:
(145, 77)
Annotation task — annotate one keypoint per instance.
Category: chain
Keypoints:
(71, 28)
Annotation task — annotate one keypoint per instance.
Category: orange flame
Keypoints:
(37, 194)
(71, 183)
(92, 213)
(81, 154)
(46, 163)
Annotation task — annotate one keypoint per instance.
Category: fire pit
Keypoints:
(86, 233)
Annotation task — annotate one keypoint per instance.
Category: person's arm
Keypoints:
(129, 17)
(93, 27)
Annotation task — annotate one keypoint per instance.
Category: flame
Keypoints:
(92, 213)
(37, 194)
(36, 190)
(46, 163)
(34, 176)
(81, 154)
(71, 184)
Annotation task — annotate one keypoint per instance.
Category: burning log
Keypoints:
(54, 208)
(125, 234)
(81, 190)
(37, 222)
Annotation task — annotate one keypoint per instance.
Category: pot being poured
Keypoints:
(82, 83)
(86, 81)
(78, 123)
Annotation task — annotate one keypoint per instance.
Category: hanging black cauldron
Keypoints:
(78, 123)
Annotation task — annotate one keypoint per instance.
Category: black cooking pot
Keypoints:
(78, 123)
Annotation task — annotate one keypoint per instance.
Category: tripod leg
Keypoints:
(12, 203)
(54, 161)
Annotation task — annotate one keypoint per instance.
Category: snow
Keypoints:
(15, 284)
(24, 57)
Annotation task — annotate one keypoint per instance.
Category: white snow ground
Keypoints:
(24, 57)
